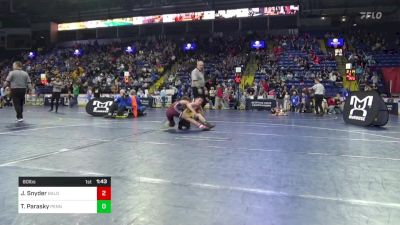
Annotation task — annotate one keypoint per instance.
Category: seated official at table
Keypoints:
(121, 104)
(137, 108)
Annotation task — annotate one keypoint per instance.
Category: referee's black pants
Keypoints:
(199, 93)
(18, 98)
(55, 96)
(318, 104)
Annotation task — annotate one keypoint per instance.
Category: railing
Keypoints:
(249, 73)
(167, 71)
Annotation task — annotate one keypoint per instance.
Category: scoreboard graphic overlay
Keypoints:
(64, 195)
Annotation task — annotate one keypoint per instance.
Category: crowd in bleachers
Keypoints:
(296, 58)
(370, 52)
(222, 55)
(289, 69)
(285, 70)
(101, 66)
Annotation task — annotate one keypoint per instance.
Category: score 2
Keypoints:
(103, 193)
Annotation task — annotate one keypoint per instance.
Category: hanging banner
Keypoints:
(392, 78)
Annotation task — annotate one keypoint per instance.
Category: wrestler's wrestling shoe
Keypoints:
(183, 126)
(204, 128)
(171, 123)
(209, 125)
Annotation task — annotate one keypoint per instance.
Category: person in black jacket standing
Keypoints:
(19, 81)
(97, 91)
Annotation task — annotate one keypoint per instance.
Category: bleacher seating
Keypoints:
(386, 60)
(293, 50)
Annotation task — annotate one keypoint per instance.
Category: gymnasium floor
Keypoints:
(252, 169)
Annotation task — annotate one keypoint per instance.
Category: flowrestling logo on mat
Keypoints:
(360, 105)
(101, 107)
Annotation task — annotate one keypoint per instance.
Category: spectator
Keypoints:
(303, 103)
(96, 91)
(57, 85)
(338, 103)
(278, 112)
(286, 103)
(331, 105)
(339, 79)
(137, 108)
(175, 93)
(89, 94)
(140, 93)
(265, 86)
(332, 76)
(75, 95)
(219, 97)
(163, 95)
(7, 97)
(295, 100)
(374, 79)
(121, 103)
(2, 95)
(367, 87)
(212, 93)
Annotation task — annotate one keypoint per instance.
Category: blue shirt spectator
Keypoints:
(295, 100)
(123, 101)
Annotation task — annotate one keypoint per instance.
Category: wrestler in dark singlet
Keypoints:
(175, 110)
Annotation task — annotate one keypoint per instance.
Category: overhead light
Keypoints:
(77, 52)
(31, 55)
(323, 18)
(343, 19)
(354, 25)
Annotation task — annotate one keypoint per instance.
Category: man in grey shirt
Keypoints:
(19, 81)
(198, 82)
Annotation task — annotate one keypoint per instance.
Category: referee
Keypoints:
(198, 82)
(19, 81)
(319, 91)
